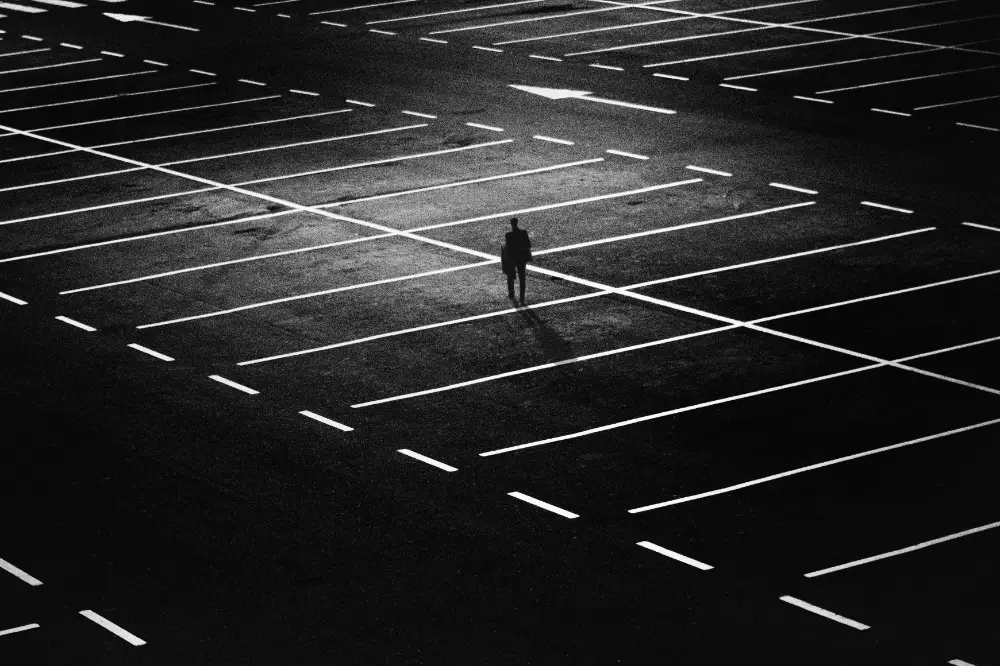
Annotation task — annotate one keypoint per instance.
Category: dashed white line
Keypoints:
(485, 127)
(433, 40)
(22, 8)
(154, 113)
(611, 67)
(203, 72)
(45, 216)
(981, 226)
(244, 9)
(488, 48)
(552, 140)
(32, 38)
(251, 82)
(112, 627)
(961, 101)
(75, 81)
(230, 383)
(273, 2)
(113, 53)
(303, 92)
(334, 24)
(813, 99)
(891, 112)
(24, 627)
(542, 57)
(419, 115)
(824, 613)
(322, 419)
(60, 64)
(715, 172)
(622, 153)
(544, 505)
(204, 2)
(12, 299)
(649, 545)
(982, 127)
(907, 79)
(959, 662)
(884, 207)
(429, 461)
(11, 569)
(382, 32)
(453, 11)
(27, 52)
(359, 103)
(155, 62)
(67, 44)
(736, 87)
(77, 324)
(671, 76)
(349, 9)
(151, 352)
(900, 551)
(793, 188)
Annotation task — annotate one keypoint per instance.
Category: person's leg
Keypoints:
(510, 285)
(521, 270)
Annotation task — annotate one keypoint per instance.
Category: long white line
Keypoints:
(325, 421)
(824, 613)
(649, 545)
(66, 83)
(429, 461)
(88, 209)
(11, 569)
(746, 52)
(58, 64)
(543, 366)
(680, 410)
(112, 627)
(486, 26)
(15, 53)
(349, 9)
(786, 70)
(961, 101)
(935, 352)
(900, 551)
(101, 99)
(657, 42)
(544, 505)
(904, 80)
(453, 11)
(809, 468)
(63, 181)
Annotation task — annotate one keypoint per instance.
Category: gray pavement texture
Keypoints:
(265, 401)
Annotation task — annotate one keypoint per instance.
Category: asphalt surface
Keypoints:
(265, 400)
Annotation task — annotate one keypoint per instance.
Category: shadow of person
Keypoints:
(552, 344)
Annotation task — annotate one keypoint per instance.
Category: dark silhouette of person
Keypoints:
(517, 248)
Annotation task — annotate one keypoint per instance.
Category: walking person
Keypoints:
(514, 255)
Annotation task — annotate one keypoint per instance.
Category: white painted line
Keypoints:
(671, 76)
(813, 99)
(244, 9)
(21, 8)
(883, 206)
(453, 11)
(147, 350)
(113, 53)
(680, 410)
(303, 92)
(251, 82)
(419, 115)
(945, 350)
(561, 204)
(382, 32)
(27, 52)
(429, 461)
(74, 81)
(354, 101)
(981, 226)
(543, 505)
(908, 549)
(484, 26)
(11, 569)
(73, 322)
(909, 78)
(542, 57)
(232, 384)
(274, 2)
(284, 15)
(959, 662)
(793, 188)
(961, 101)
(201, 71)
(823, 612)
(59, 64)
(334, 24)
(388, 160)
(736, 87)
(611, 67)
(537, 368)
(204, 2)
(674, 555)
(622, 153)
(24, 627)
(117, 204)
(485, 127)
(316, 294)
(552, 140)
(112, 627)
(15, 301)
(982, 127)
(435, 41)
(809, 468)
(66, 44)
(155, 62)
(322, 419)
(831, 64)
(425, 327)
(486, 48)
(32, 38)
(577, 33)
(711, 171)
(349, 9)
(658, 42)
(70, 180)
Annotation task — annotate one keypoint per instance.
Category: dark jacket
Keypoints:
(518, 246)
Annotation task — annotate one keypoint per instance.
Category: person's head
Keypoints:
(513, 223)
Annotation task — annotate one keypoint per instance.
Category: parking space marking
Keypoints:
(486, 26)
(622, 153)
(945, 350)
(955, 103)
(711, 171)
(15, 630)
(885, 207)
(61, 3)
(112, 627)
(543, 366)
(680, 410)
(425, 327)
(487, 48)
(981, 226)
(735, 87)
(982, 127)
(824, 613)
(793, 188)
(97, 99)
(74, 81)
(433, 41)
(349, 9)
(543, 505)
(657, 42)
(418, 114)
(813, 99)
(15, 301)
(322, 419)
(543, 57)
(77, 324)
(649, 545)
(453, 11)
(382, 32)
(552, 140)
(891, 112)
(14, 571)
(745, 52)
(803, 68)
(909, 78)
(959, 662)
(151, 352)
(671, 76)
(429, 461)
(230, 383)
(203, 72)
(576, 33)
(155, 62)
(21, 8)
(611, 67)
(900, 551)
(485, 127)
(809, 468)
(63, 181)
(117, 204)
(16, 53)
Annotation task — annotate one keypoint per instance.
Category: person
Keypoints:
(514, 257)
